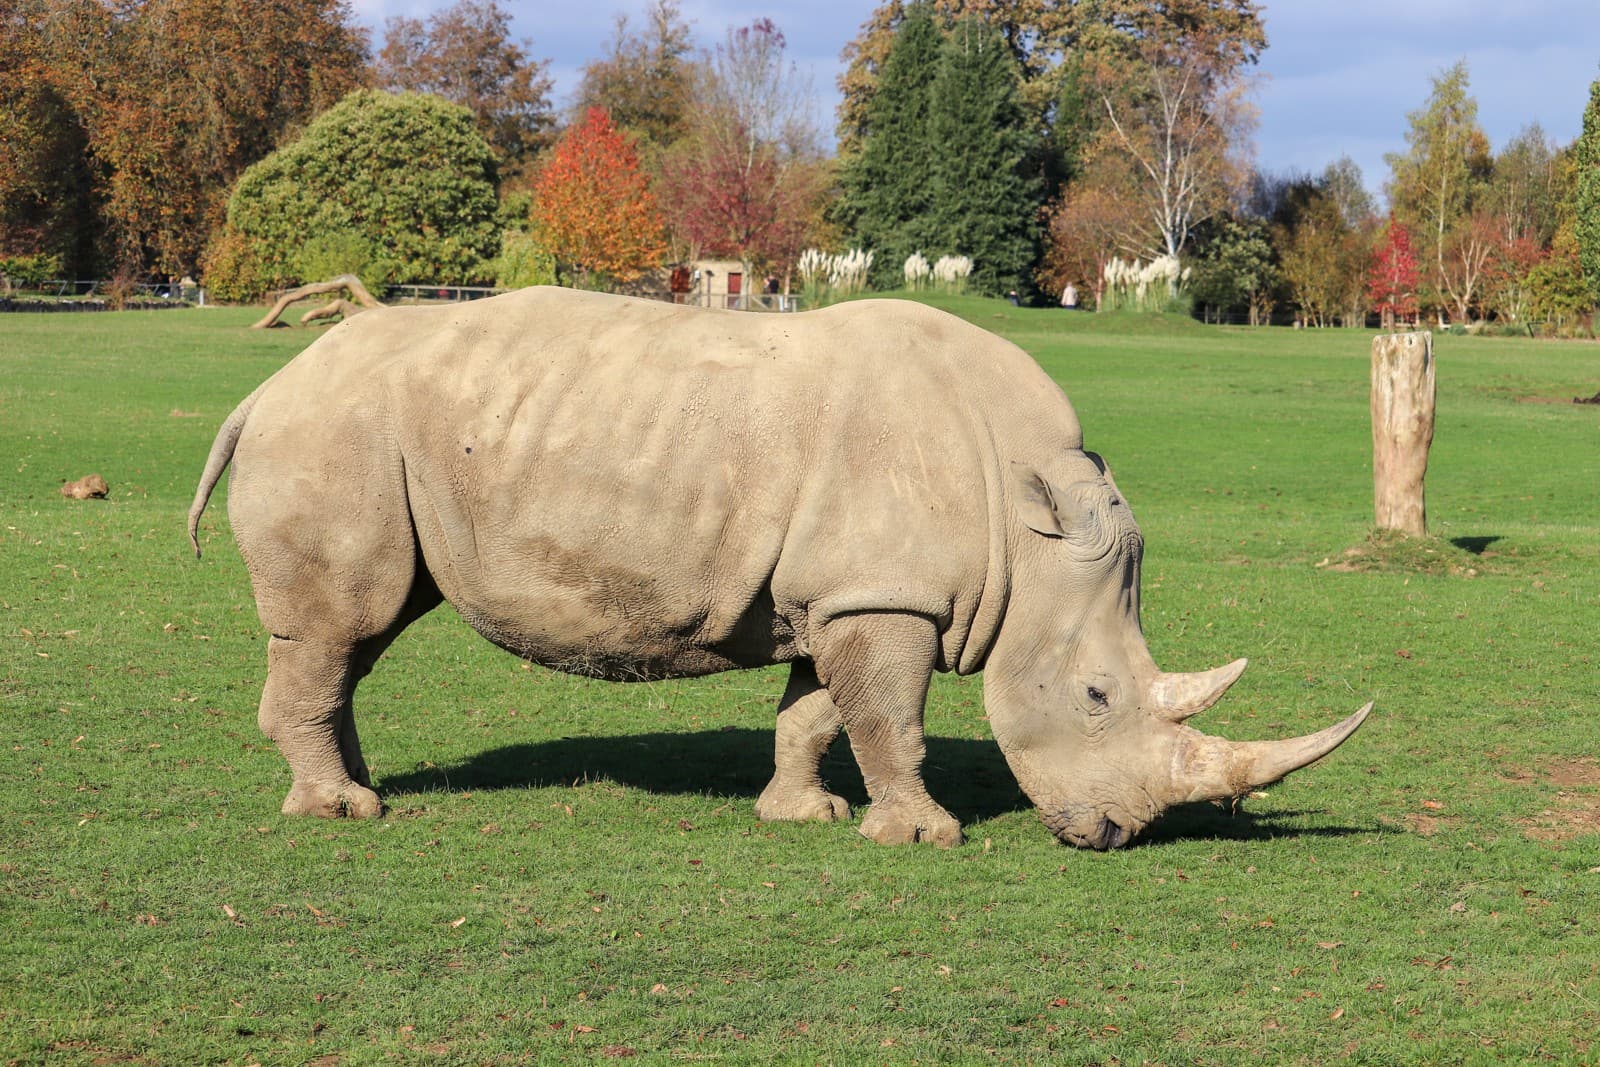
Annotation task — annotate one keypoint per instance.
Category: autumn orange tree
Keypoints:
(1084, 230)
(644, 81)
(465, 54)
(592, 206)
(1176, 108)
(46, 178)
(159, 105)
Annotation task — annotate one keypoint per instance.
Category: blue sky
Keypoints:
(1336, 79)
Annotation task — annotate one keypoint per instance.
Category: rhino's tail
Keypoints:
(217, 462)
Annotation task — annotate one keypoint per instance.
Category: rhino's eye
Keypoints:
(1097, 696)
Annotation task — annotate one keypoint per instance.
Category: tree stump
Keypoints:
(1402, 428)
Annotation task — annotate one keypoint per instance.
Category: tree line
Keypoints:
(1470, 235)
(261, 143)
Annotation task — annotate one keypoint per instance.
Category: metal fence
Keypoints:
(742, 301)
(420, 294)
(65, 287)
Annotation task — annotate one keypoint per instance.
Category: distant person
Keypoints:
(1069, 297)
(1016, 301)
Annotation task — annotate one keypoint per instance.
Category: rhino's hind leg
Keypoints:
(423, 598)
(876, 667)
(304, 707)
(808, 723)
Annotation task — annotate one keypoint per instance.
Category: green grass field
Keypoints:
(571, 870)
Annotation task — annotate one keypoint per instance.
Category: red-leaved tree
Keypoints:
(1507, 292)
(747, 179)
(1392, 284)
(592, 207)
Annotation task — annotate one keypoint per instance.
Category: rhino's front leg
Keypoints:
(876, 667)
(808, 723)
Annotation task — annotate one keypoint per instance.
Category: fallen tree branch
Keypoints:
(343, 282)
(340, 308)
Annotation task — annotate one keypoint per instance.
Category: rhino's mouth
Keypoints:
(1102, 834)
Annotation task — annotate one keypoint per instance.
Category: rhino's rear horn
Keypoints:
(1178, 696)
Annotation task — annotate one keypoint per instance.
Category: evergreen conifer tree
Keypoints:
(887, 200)
(1074, 124)
(1587, 193)
(984, 203)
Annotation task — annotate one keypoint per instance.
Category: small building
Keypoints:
(718, 283)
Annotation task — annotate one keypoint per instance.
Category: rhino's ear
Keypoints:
(1035, 503)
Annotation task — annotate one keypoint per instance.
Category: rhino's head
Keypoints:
(1092, 729)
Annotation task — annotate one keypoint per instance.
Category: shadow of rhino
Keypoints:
(970, 777)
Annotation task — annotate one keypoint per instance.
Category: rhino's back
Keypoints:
(629, 488)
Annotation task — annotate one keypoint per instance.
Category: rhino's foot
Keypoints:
(891, 824)
(332, 801)
(782, 803)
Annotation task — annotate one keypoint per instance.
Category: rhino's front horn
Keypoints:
(1211, 768)
(1178, 696)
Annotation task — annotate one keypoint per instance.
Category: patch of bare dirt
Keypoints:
(1423, 825)
(1573, 772)
(1558, 399)
(1576, 808)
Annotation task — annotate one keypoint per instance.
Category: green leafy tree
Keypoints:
(886, 200)
(1044, 36)
(1434, 183)
(1586, 196)
(523, 261)
(1322, 258)
(407, 177)
(328, 255)
(1237, 268)
(985, 205)
(1558, 290)
(1076, 125)
(1342, 183)
(1527, 186)
(1323, 235)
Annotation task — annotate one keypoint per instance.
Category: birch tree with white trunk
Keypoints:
(1179, 110)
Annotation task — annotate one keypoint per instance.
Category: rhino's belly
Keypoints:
(598, 632)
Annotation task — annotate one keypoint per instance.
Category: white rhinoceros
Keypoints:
(633, 490)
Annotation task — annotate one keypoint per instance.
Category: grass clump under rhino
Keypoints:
(571, 869)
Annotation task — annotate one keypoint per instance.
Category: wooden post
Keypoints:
(1402, 428)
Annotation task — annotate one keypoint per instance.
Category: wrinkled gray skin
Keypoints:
(632, 490)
